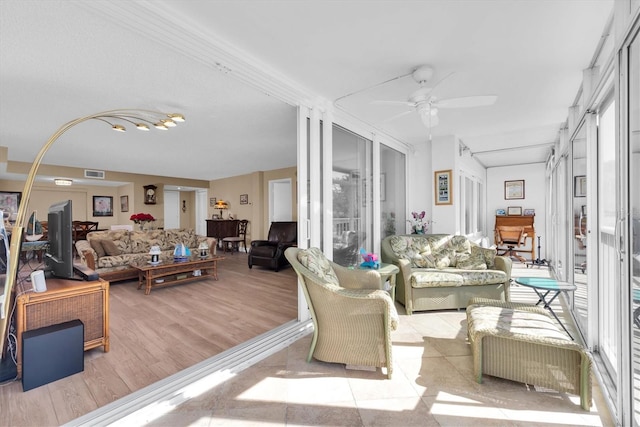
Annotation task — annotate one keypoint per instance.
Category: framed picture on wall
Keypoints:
(124, 203)
(514, 189)
(212, 201)
(10, 201)
(443, 187)
(102, 206)
(514, 210)
(244, 199)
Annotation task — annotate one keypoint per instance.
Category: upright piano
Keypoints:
(525, 221)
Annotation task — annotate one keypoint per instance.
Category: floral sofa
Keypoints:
(110, 253)
(444, 271)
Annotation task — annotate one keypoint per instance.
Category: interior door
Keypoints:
(280, 201)
(171, 209)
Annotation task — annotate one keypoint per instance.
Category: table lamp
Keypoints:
(221, 204)
(203, 248)
(155, 254)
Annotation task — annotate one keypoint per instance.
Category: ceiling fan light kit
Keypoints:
(427, 105)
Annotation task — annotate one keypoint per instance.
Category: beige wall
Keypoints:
(256, 186)
(43, 194)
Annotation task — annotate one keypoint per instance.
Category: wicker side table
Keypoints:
(65, 300)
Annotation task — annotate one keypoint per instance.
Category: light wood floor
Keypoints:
(157, 335)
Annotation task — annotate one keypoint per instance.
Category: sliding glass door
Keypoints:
(352, 196)
(393, 219)
(631, 138)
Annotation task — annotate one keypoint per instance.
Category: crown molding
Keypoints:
(172, 30)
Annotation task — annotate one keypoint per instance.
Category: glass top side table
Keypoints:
(545, 286)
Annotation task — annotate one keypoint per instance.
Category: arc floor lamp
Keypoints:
(117, 119)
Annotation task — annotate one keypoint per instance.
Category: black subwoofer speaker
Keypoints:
(51, 353)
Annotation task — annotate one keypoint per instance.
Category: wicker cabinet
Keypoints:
(66, 300)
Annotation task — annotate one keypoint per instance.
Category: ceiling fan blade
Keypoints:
(397, 116)
(466, 101)
(406, 103)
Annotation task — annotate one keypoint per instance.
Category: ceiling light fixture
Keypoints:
(63, 181)
(115, 119)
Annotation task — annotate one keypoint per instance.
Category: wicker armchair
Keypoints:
(352, 317)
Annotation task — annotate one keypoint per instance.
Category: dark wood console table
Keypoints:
(221, 228)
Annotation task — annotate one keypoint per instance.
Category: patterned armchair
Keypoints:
(352, 317)
(270, 252)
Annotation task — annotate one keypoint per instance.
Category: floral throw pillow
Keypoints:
(318, 264)
(473, 261)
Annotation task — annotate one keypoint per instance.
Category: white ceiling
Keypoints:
(64, 59)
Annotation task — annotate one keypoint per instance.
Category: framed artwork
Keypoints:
(124, 203)
(529, 212)
(212, 201)
(514, 189)
(443, 187)
(501, 212)
(580, 186)
(10, 201)
(514, 210)
(244, 199)
(150, 194)
(102, 206)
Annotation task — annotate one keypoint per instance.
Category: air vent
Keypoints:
(93, 174)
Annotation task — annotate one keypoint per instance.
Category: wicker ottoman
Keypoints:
(521, 342)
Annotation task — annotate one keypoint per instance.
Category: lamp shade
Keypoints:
(155, 254)
(221, 204)
(203, 249)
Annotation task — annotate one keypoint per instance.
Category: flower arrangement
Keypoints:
(419, 225)
(140, 218)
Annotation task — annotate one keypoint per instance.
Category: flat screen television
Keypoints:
(59, 256)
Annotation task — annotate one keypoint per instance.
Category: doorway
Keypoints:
(280, 200)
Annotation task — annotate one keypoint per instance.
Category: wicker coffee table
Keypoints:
(168, 273)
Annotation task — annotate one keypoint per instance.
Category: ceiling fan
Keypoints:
(426, 105)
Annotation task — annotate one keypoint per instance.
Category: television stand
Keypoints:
(65, 300)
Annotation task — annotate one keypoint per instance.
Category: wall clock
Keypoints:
(150, 194)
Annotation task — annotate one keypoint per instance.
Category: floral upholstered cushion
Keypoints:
(476, 260)
(415, 249)
(318, 264)
(434, 278)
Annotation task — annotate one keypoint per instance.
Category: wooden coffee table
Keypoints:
(168, 273)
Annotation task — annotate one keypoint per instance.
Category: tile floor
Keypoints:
(432, 385)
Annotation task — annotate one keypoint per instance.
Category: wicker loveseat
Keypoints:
(110, 252)
(444, 271)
